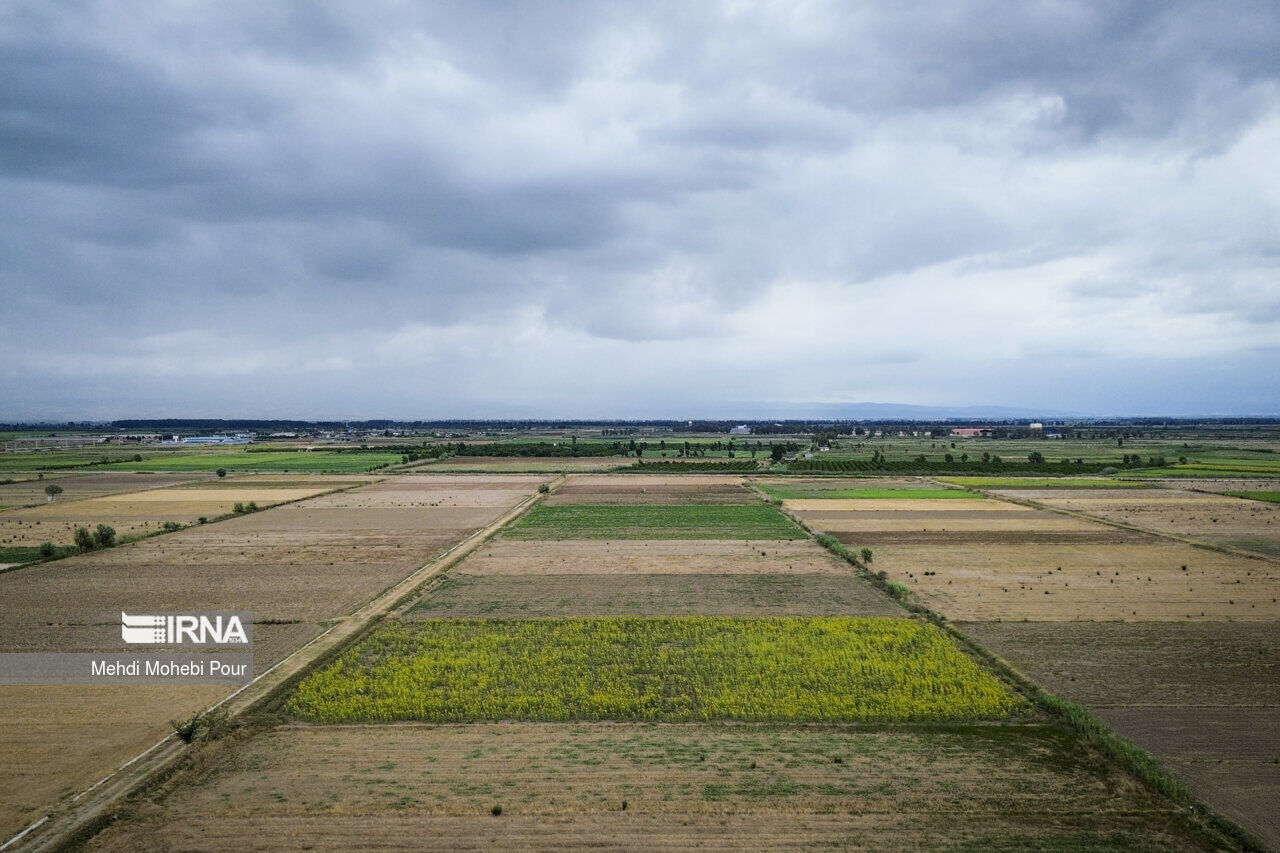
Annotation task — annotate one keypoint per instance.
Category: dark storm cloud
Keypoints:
(313, 194)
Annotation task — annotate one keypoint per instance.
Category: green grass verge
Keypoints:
(663, 669)
(786, 492)
(1043, 483)
(1269, 497)
(655, 521)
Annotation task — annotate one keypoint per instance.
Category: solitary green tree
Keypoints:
(52, 491)
(221, 472)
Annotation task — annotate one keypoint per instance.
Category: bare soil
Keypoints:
(58, 740)
(1218, 519)
(293, 566)
(625, 493)
(1203, 698)
(1113, 582)
(727, 787)
(649, 556)
(563, 595)
(1118, 664)
(79, 486)
(134, 513)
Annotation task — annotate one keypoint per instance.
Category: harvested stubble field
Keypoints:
(818, 487)
(621, 493)
(137, 513)
(655, 521)
(80, 486)
(522, 464)
(506, 556)
(293, 566)
(1136, 583)
(1217, 519)
(1204, 698)
(735, 787)
(1046, 483)
(819, 669)
(614, 594)
(970, 508)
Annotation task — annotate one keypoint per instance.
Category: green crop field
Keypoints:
(1044, 483)
(786, 492)
(663, 669)
(1269, 497)
(655, 521)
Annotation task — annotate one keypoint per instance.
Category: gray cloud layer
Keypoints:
(607, 209)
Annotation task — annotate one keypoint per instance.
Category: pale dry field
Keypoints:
(828, 484)
(58, 740)
(1217, 519)
(295, 566)
(649, 556)
(136, 513)
(635, 482)
(626, 493)
(719, 786)
(1115, 582)
(80, 486)
(518, 464)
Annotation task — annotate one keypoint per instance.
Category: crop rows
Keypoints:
(655, 521)
(664, 669)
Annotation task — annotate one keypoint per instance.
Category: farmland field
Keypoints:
(655, 521)
(1203, 697)
(1219, 519)
(140, 513)
(627, 593)
(658, 669)
(293, 566)
(659, 786)
(657, 660)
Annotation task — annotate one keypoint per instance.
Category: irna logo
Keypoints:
(186, 629)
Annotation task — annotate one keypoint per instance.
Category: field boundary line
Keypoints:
(73, 821)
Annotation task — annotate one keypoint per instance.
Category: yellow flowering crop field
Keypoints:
(658, 669)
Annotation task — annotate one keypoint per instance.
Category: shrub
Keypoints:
(866, 555)
(104, 536)
(221, 472)
(204, 725)
(83, 539)
(238, 509)
(137, 457)
(543, 488)
(171, 526)
(204, 519)
(47, 550)
(496, 810)
(252, 507)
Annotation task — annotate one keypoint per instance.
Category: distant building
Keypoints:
(742, 429)
(216, 439)
(970, 432)
(1036, 427)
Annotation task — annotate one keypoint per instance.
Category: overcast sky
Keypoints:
(249, 209)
